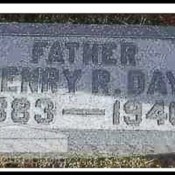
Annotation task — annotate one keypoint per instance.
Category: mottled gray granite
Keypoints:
(86, 89)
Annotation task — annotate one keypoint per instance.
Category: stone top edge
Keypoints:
(94, 30)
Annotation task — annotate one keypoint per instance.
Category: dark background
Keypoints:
(123, 19)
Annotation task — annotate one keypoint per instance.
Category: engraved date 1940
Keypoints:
(134, 109)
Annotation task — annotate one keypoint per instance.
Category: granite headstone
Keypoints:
(87, 89)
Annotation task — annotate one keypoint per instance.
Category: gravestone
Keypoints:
(87, 89)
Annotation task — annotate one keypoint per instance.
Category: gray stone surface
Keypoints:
(87, 89)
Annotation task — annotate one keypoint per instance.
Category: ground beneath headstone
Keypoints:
(161, 161)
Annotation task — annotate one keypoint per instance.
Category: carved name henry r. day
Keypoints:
(48, 77)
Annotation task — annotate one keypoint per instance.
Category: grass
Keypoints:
(89, 162)
(82, 162)
(85, 162)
